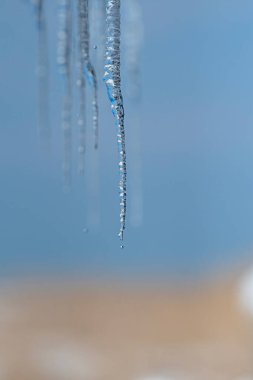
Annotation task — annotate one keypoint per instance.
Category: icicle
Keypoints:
(82, 125)
(112, 79)
(81, 85)
(89, 70)
(42, 72)
(64, 61)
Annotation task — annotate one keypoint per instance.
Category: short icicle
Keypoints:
(112, 78)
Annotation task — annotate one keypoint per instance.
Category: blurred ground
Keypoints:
(79, 331)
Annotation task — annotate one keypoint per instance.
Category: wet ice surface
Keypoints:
(112, 78)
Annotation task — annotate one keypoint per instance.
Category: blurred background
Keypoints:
(177, 302)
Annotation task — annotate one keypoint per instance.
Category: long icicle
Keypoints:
(42, 72)
(112, 78)
(81, 84)
(89, 70)
(65, 64)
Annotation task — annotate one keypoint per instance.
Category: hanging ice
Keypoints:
(112, 78)
(81, 85)
(42, 72)
(100, 10)
(89, 70)
(65, 64)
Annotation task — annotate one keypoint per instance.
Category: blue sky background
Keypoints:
(197, 150)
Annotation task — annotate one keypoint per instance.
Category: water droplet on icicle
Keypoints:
(112, 78)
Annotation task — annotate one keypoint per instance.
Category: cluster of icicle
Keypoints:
(68, 10)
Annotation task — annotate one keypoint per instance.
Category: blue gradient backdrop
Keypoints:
(197, 116)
